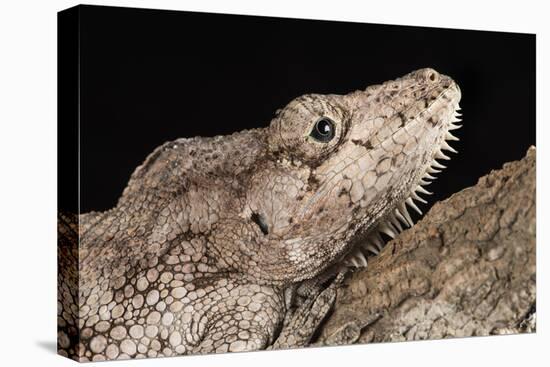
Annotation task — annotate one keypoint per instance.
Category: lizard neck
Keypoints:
(174, 203)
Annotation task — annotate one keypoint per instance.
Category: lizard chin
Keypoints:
(370, 243)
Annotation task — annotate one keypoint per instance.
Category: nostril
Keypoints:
(427, 75)
(431, 75)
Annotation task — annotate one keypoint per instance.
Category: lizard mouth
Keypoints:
(399, 219)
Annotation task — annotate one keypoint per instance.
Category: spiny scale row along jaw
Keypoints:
(398, 219)
(336, 168)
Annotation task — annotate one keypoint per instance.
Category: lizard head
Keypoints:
(343, 168)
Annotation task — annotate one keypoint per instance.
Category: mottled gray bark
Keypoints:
(466, 269)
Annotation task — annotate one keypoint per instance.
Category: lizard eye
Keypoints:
(323, 130)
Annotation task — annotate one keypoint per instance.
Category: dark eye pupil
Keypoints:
(323, 130)
(324, 127)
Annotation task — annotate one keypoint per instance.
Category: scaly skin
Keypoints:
(227, 243)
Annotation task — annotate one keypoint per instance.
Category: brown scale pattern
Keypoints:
(227, 243)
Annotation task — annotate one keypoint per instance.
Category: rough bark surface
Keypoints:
(466, 269)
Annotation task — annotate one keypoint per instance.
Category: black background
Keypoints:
(149, 76)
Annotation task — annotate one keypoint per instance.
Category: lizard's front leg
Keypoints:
(245, 319)
(307, 307)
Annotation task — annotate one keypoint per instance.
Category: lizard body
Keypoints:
(213, 238)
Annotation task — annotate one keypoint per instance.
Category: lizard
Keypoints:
(239, 242)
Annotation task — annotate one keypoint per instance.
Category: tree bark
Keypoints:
(466, 269)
